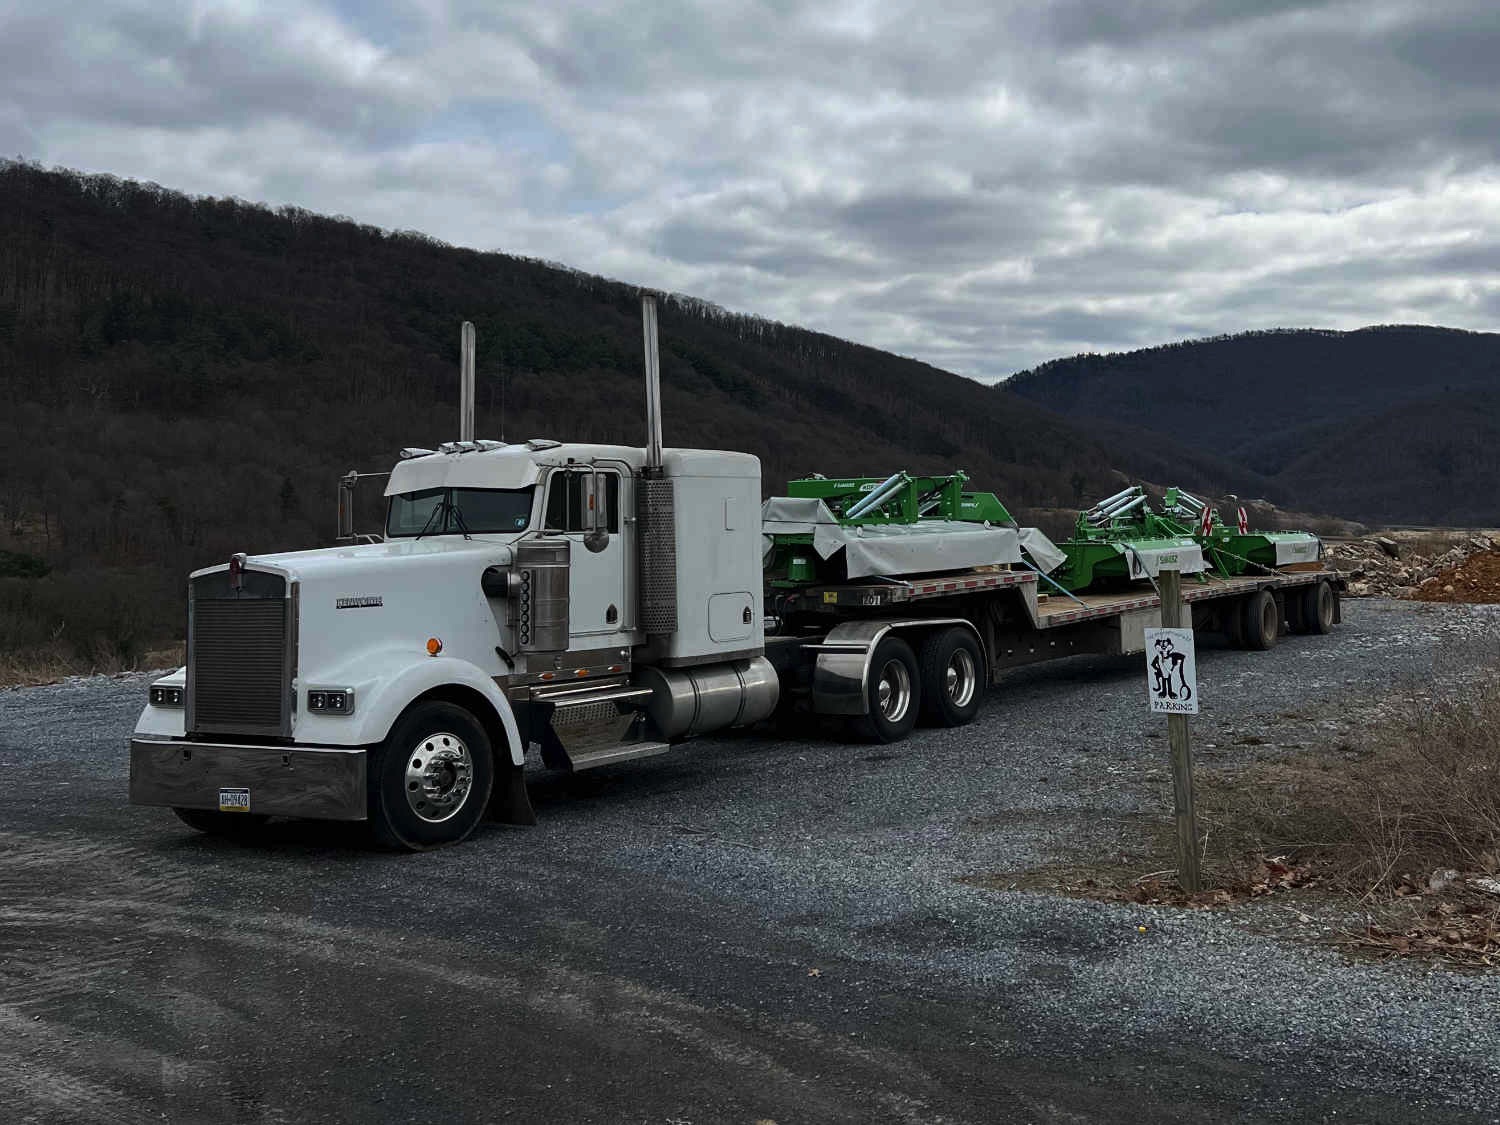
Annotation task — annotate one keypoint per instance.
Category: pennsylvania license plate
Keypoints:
(234, 800)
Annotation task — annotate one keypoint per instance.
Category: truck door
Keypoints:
(599, 615)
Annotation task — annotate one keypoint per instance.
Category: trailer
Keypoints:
(585, 605)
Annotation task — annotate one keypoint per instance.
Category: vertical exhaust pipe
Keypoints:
(656, 507)
(653, 384)
(466, 383)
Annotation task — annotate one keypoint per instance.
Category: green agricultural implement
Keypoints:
(907, 520)
(1122, 539)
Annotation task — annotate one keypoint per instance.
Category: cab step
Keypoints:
(620, 752)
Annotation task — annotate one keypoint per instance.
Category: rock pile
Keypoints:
(1383, 568)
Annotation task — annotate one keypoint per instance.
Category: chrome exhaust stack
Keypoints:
(466, 383)
(653, 384)
(656, 509)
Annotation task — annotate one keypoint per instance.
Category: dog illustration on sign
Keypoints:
(1165, 665)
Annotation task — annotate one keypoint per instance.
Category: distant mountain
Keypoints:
(186, 377)
(1390, 423)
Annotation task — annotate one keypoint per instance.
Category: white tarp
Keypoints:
(1185, 555)
(1292, 547)
(904, 548)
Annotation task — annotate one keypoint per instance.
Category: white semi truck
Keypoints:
(593, 604)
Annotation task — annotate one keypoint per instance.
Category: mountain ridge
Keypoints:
(1395, 423)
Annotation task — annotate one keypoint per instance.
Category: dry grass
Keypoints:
(1376, 817)
(51, 663)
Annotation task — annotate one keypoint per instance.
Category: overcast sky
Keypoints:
(982, 186)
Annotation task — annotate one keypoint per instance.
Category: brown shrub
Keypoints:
(1410, 801)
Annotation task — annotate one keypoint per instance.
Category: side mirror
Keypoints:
(595, 512)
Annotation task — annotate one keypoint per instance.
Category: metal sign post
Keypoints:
(1172, 687)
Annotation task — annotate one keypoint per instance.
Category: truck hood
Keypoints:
(393, 555)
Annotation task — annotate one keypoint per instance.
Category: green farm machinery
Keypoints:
(1123, 539)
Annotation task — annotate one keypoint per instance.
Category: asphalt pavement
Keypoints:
(748, 929)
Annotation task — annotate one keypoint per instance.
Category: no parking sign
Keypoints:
(1171, 672)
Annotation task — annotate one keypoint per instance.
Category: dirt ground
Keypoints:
(1476, 580)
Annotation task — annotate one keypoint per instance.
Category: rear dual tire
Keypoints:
(943, 686)
(893, 693)
(953, 677)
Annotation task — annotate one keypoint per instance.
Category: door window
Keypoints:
(565, 499)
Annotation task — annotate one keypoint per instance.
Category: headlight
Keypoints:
(165, 696)
(330, 701)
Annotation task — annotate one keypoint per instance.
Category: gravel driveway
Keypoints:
(748, 929)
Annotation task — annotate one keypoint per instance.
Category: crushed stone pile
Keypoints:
(1383, 568)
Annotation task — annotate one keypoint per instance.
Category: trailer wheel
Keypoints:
(1262, 621)
(1317, 608)
(952, 677)
(234, 826)
(893, 692)
(430, 779)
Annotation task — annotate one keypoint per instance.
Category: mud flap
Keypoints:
(509, 801)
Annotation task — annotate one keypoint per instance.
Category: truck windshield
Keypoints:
(452, 511)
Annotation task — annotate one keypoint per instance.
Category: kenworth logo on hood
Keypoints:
(362, 601)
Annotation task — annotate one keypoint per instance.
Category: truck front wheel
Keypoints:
(893, 693)
(431, 778)
(952, 677)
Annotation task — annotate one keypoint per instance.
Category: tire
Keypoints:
(1319, 603)
(233, 826)
(893, 692)
(953, 677)
(1262, 621)
(430, 780)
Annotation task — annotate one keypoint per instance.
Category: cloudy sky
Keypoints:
(983, 186)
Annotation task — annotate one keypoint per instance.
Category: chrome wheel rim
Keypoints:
(439, 775)
(893, 691)
(959, 679)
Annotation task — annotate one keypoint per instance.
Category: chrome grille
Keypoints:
(239, 660)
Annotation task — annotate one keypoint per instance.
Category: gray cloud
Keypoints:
(982, 185)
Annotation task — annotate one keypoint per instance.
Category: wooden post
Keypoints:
(1183, 801)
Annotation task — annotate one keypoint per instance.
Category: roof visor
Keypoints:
(512, 467)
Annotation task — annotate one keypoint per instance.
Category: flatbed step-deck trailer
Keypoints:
(1019, 623)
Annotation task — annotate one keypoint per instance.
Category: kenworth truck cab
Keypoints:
(596, 602)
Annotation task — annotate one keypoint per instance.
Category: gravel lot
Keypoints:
(746, 930)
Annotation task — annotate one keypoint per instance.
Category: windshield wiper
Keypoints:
(458, 518)
(437, 509)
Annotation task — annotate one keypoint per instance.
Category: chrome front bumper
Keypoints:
(321, 783)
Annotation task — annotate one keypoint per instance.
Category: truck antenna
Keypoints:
(466, 383)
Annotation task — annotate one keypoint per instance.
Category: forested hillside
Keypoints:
(1397, 424)
(187, 377)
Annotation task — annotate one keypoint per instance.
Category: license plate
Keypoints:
(234, 800)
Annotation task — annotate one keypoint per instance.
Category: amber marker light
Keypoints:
(434, 646)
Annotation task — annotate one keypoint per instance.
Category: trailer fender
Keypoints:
(841, 666)
(381, 699)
